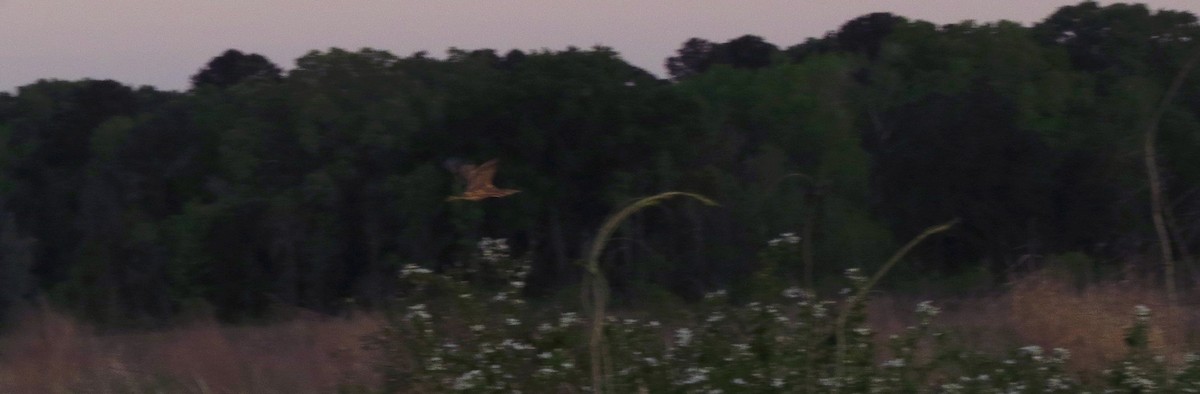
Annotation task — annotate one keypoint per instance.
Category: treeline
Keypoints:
(259, 188)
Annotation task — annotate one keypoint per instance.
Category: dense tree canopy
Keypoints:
(698, 55)
(259, 188)
(234, 67)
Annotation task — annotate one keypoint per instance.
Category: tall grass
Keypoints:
(470, 331)
(775, 344)
(49, 352)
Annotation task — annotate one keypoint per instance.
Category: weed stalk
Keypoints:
(861, 295)
(595, 289)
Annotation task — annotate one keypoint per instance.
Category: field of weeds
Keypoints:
(50, 352)
(902, 344)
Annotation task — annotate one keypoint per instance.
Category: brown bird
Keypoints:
(479, 180)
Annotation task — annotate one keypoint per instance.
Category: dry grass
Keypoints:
(1048, 311)
(1092, 322)
(50, 353)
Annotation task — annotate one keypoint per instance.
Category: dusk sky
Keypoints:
(163, 42)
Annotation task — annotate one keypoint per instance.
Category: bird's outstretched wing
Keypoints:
(479, 178)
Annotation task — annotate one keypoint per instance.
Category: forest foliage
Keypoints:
(311, 187)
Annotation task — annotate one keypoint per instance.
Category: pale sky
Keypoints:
(163, 42)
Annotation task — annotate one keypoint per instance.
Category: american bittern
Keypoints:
(479, 180)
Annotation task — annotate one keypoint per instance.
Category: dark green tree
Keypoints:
(233, 67)
(698, 55)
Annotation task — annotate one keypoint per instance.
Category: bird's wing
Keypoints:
(481, 176)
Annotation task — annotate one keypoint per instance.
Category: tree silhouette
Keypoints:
(698, 55)
(866, 33)
(234, 67)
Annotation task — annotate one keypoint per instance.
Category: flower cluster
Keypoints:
(784, 239)
(493, 250)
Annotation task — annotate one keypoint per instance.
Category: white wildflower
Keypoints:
(567, 318)
(793, 292)
(1055, 383)
(784, 238)
(819, 311)
(418, 310)
(412, 269)
(435, 364)
(926, 308)
(467, 380)
(493, 250)
(694, 375)
(683, 336)
(1141, 311)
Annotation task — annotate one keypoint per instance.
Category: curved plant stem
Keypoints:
(861, 295)
(1156, 192)
(595, 289)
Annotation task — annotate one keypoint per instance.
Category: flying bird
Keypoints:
(479, 180)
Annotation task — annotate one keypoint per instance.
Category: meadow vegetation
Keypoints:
(50, 352)
(471, 331)
(448, 336)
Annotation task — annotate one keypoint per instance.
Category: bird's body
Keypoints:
(479, 181)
